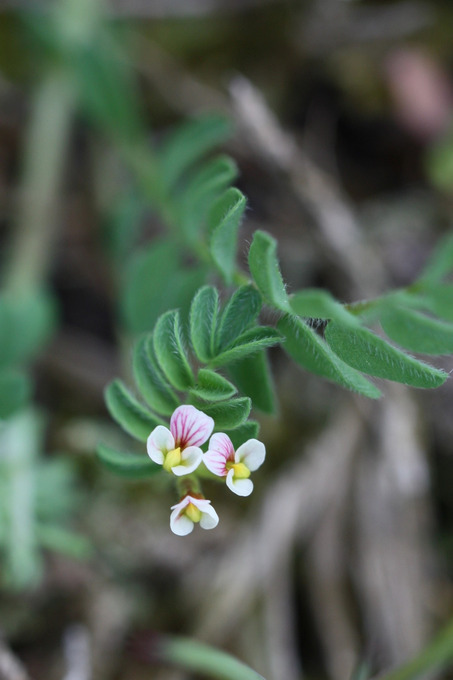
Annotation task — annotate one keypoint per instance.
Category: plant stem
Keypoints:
(44, 153)
(436, 656)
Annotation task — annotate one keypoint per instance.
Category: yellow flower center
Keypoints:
(172, 459)
(193, 513)
(241, 471)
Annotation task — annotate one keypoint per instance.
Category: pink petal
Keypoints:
(159, 442)
(252, 453)
(241, 487)
(220, 451)
(191, 458)
(215, 463)
(222, 444)
(190, 427)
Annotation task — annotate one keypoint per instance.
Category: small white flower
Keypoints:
(189, 511)
(222, 460)
(178, 449)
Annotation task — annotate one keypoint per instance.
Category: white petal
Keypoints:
(209, 518)
(252, 453)
(190, 427)
(190, 460)
(241, 487)
(159, 442)
(181, 525)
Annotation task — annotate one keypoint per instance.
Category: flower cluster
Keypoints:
(178, 450)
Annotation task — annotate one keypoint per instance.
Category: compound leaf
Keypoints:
(203, 321)
(365, 351)
(127, 464)
(128, 412)
(248, 343)
(170, 352)
(313, 354)
(265, 270)
(240, 312)
(253, 377)
(319, 304)
(231, 414)
(224, 221)
(150, 381)
(212, 387)
(188, 143)
(418, 332)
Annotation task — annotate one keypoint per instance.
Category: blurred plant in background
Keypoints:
(193, 319)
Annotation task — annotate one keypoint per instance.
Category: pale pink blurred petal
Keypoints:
(421, 91)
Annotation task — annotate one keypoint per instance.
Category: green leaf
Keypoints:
(224, 221)
(188, 143)
(150, 381)
(148, 285)
(203, 321)
(127, 464)
(128, 412)
(438, 298)
(313, 354)
(319, 304)
(434, 657)
(265, 270)
(61, 540)
(25, 325)
(170, 352)
(106, 86)
(231, 414)
(15, 391)
(200, 193)
(212, 387)
(156, 280)
(440, 262)
(417, 332)
(253, 377)
(202, 659)
(367, 352)
(240, 312)
(249, 430)
(251, 341)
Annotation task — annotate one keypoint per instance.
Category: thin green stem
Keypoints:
(436, 656)
(44, 153)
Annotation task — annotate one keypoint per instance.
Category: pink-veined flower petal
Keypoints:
(191, 458)
(159, 442)
(215, 463)
(220, 451)
(241, 487)
(252, 453)
(190, 427)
